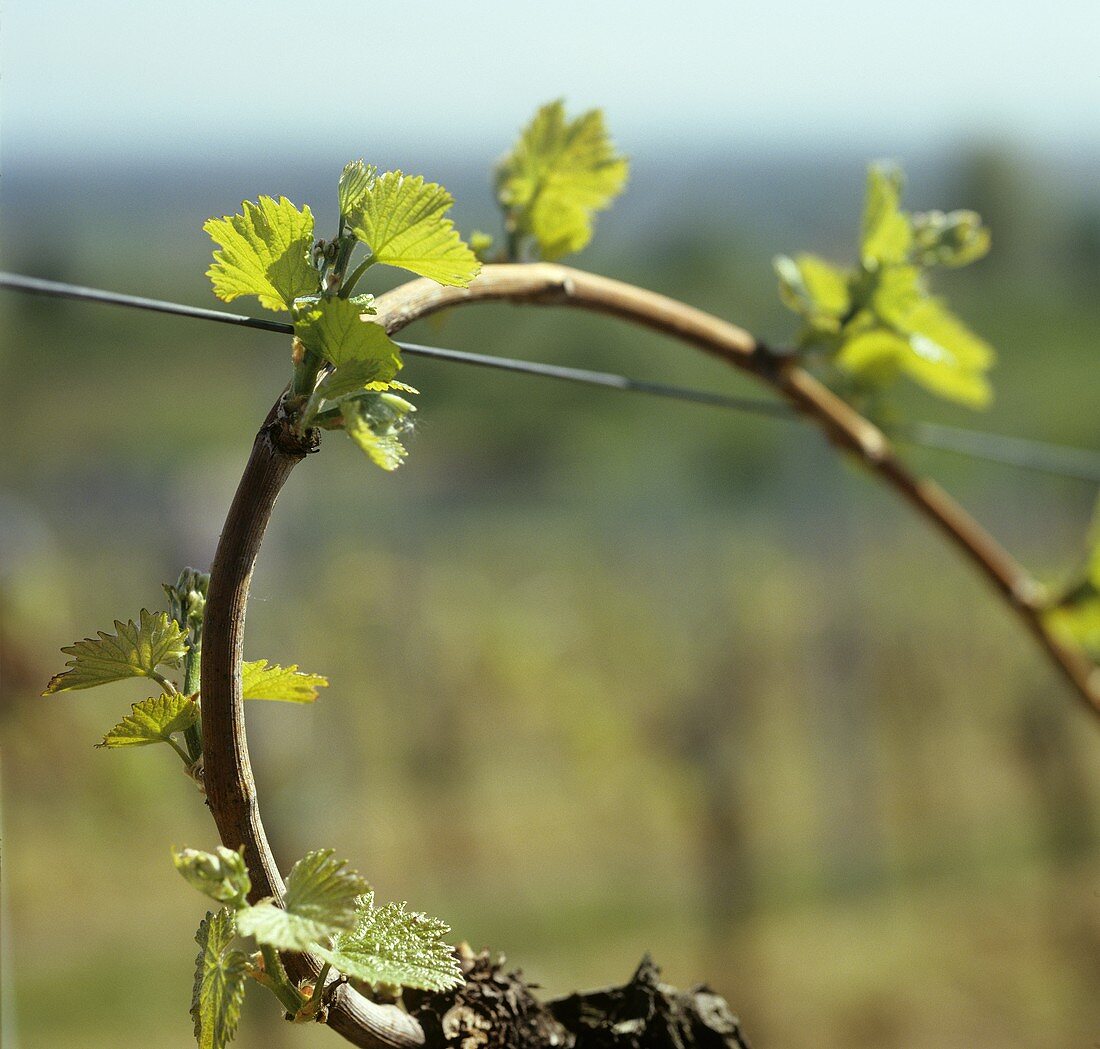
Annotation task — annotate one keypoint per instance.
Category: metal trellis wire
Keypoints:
(1042, 456)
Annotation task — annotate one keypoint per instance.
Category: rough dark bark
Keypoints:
(496, 1009)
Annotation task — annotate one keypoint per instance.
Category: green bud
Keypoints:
(389, 414)
(222, 875)
(792, 289)
(187, 601)
(364, 301)
(480, 243)
(397, 404)
(953, 239)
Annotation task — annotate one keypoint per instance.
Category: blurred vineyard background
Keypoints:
(608, 674)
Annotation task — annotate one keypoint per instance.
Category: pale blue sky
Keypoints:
(200, 78)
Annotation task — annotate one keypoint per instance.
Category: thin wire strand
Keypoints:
(1019, 452)
(608, 380)
(58, 290)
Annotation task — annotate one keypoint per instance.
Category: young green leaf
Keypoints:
(265, 252)
(319, 902)
(1092, 566)
(945, 356)
(153, 721)
(336, 330)
(259, 680)
(813, 287)
(1078, 620)
(390, 945)
(875, 355)
(221, 875)
(558, 175)
(887, 233)
(928, 344)
(219, 982)
(400, 218)
(355, 377)
(879, 321)
(355, 180)
(376, 422)
(1075, 615)
(897, 291)
(135, 650)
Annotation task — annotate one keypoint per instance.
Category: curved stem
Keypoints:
(230, 789)
(288, 996)
(186, 758)
(166, 686)
(348, 286)
(192, 735)
(548, 284)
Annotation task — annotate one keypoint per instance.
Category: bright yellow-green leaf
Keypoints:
(887, 233)
(897, 291)
(401, 219)
(384, 450)
(354, 377)
(1076, 616)
(320, 901)
(1078, 622)
(260, 680)
(558, 175)
(813, 287)
(560, 226)
(265, 252)
(153, 721)
(878, 352)
(880, 322)
(219, 982)
(927, 365)
(338, 331)
(355, 181)
(394, 947)
(1093, 565)
(946, 356)
(135, 650)
(930, 320)
(943, 354)
(376, 423)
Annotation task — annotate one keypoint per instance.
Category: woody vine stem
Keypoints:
(864, 327)
(230, 787)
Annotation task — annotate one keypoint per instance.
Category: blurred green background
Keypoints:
(609, 674)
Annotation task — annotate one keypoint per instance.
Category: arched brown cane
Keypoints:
(230, 788)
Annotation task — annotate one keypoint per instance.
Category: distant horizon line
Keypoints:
(656, 149)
